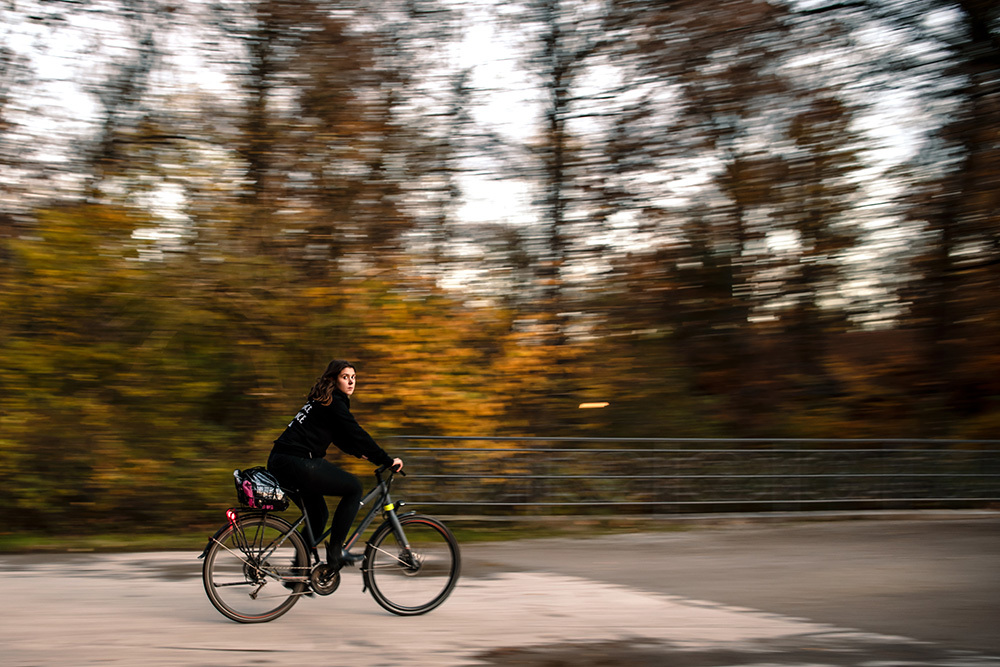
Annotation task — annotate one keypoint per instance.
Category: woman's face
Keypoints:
(345, 381)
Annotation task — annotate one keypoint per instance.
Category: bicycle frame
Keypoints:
(378, 499)
(379, 493)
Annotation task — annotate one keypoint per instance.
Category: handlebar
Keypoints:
(382, 469)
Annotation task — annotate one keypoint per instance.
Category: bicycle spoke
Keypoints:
(255, 571)
(417, 579)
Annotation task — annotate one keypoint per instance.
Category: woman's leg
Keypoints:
(339, 482)
(315, 478)
(301, 474)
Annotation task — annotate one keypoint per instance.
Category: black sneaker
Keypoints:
(338, 561)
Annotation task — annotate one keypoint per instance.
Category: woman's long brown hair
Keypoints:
(326, 384)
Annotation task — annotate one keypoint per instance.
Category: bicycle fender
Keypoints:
(239, 513)
(211, 540)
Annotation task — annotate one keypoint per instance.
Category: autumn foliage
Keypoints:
(706, 230)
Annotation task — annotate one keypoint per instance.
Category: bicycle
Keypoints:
(258, 565)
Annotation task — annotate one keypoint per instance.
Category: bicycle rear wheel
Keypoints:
(414, 580)
(256, 568)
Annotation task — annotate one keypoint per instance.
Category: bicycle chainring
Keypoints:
(324, 579)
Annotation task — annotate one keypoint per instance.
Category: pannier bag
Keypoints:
(257, 488)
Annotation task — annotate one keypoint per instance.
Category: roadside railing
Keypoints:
(520, 478)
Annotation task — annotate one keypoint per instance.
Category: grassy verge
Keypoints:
(466, 531)
(97, 543)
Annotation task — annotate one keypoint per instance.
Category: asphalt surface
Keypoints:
(865, 593)
(932, 580)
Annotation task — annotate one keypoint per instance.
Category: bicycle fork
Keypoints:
(406, 557)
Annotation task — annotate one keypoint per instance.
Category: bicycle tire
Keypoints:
(414, 582)
(255, 568)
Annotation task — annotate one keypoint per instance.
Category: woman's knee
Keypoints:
(353, 487)
(339, 482)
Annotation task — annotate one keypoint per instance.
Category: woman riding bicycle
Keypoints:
(298, 458)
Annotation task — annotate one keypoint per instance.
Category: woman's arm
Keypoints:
(351, 438)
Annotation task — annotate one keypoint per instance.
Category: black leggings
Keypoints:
(315, 478)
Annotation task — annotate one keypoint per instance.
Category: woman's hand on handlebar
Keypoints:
(396, 467)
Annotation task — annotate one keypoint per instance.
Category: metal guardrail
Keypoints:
(655, 477)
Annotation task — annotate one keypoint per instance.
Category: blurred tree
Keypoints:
(957, 197)
(950, 62)
(734, 101)
(271, 34)
(336, 158)
(757, 232)
(817, 193)
(123, 94)
(564, 43)
(9, 162)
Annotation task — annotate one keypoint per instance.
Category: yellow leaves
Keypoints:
(83, 249)
(425, 361)
(320, 295)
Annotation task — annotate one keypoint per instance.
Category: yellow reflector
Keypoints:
(603, 404)
(389, 507)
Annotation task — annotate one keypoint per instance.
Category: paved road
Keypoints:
(830, 593)
(934, 581)
(937, 581)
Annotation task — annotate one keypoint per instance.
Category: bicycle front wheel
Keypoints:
(256, 568)
(416, 576)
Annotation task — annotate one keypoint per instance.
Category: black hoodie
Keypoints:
(316, 426)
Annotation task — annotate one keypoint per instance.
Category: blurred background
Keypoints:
(743, 218)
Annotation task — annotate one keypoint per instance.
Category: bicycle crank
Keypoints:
(324, 579)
